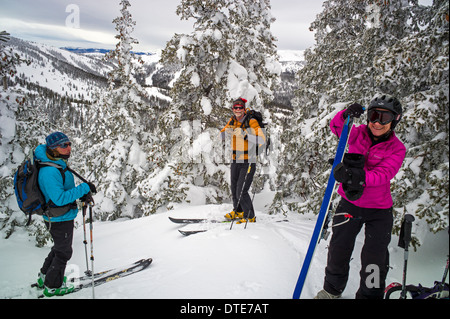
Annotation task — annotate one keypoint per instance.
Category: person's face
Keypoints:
(238, 111)
(64, 149)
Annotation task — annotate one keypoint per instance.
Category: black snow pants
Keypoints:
(374, 255)
(55, 263)
(241, 180)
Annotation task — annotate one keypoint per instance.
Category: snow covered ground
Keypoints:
(260, 262)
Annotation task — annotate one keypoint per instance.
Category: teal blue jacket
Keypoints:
(51, 184)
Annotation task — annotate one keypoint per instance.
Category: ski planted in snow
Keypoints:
(196, 220)
(324, 209)
(109, 275)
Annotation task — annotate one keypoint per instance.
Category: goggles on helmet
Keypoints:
(382, 117)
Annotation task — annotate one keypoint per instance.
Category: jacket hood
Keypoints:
(41, 154)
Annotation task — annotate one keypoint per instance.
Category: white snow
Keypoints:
(291, 55)
(206, 105)
(260, 262)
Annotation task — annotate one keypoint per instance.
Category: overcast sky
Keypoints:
(51, 22)
(156, 21)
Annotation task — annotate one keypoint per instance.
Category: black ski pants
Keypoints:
(374, 255)
(55, 264)
(241, 180)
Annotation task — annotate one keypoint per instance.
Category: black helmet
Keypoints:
(389, 103)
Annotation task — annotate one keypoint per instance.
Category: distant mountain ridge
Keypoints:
(75, 74)
(102, 51)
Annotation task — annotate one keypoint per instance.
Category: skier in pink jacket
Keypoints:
(374, 157)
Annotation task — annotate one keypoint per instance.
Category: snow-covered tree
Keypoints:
(364, 48)
(120, 132)
(23, 128)
(229, 54)
(417, 68)
(8, 60)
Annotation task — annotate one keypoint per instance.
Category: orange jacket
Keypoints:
(244, 134)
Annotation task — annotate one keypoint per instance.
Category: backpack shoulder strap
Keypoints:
(76, 174)
(59, 167)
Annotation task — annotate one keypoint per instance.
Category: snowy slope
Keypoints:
(291, 60)
(63, 72)
(262, 261)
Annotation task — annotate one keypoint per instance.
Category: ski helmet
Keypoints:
(389, 103)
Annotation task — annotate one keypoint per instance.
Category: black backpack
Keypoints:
(252, 114)
(28, 194)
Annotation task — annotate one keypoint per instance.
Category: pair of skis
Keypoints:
(106, 276)
(186, 221)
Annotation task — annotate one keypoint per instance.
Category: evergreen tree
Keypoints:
(8, 60)
(230, 54)
(364, 48)
(118, 139)
(23, 128)
(417, 68)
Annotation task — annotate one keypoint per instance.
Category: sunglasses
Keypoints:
(65, 145)
(382, 117)
(238, 107)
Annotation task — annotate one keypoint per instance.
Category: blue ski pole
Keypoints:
(322, 216)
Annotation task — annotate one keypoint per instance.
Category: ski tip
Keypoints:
(190, 232)
(186, 220)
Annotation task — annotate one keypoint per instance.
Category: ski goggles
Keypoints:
(382, 117)
(65, 145)
(238, 107)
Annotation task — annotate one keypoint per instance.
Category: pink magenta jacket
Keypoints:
(382, 163)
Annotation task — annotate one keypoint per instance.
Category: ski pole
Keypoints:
(87, 272)
(92, 247)
(444, 277)
(442, 283)
(242, 191)
(254, 191)
(405, 239)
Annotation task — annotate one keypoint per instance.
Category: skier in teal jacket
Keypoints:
(60, 194)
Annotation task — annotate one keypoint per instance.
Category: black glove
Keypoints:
(352, 175)
(341, 174)
(354, 160)
(354, 110)
(351, 170)
(87, 198)
(92, 188)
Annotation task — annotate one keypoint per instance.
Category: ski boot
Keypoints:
(61, 291)
(41, 279)
(234, 215)
(323, 294)
(244, 220)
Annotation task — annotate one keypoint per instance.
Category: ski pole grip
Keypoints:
(408, 227)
